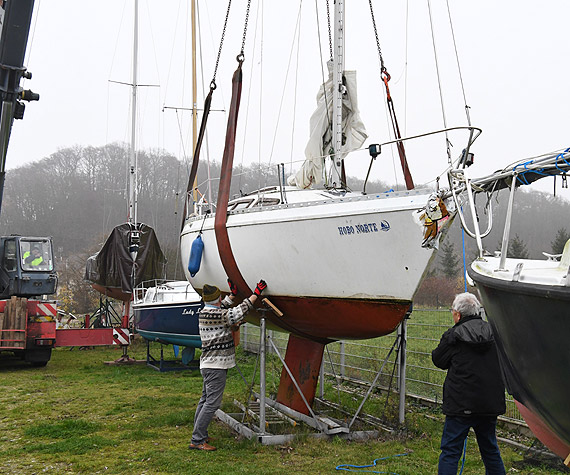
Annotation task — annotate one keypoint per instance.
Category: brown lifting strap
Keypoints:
(222, 238)
(400, 145)
(196, 157)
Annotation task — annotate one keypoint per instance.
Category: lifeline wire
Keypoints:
(349, 468)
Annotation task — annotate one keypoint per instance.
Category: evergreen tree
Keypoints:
(449, 261)
(517, 248)
(560, 240)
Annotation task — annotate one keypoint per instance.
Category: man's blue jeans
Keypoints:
(455, 431)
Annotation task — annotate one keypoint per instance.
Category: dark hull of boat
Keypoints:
(324, 320)
(532, 324)
(113, 292)
(175, 324)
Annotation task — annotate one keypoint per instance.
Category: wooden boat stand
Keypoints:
(266, 410)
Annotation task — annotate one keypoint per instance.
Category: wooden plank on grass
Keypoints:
(21, 317)
(9, 322)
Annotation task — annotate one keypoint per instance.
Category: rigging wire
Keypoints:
(153, 42)
(31, 41)
(466, 106)
(406, 67)
(285, 83)
(323, 78)
(295, 95)
(458, 64)
(448, 143)
(249, 99)
(207, 143)
(171, 61)
(259, 140)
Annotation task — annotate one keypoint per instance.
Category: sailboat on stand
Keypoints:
(527, 302)
(339, 264)
(131, 253)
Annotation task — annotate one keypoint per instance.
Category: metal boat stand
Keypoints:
(163, 365)
(266, 410)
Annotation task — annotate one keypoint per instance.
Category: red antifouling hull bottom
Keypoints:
(329, 319)
(544, 433)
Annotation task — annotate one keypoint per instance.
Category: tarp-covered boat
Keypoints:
(114, 272)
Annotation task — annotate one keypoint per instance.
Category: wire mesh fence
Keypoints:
(360, 361)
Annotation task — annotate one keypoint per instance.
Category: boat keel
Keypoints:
(303, 358)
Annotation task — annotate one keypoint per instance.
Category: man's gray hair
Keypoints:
(466, 304)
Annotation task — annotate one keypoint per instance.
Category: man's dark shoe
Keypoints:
(203, 446)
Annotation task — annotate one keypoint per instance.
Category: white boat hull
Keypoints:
(338, 254)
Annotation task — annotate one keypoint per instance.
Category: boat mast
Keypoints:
(339, 88)
(194, 102)
(132, 211)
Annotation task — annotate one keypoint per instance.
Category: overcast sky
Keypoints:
(513, 56)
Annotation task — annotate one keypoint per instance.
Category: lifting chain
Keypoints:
(383, 69)
(213, 82)
(330, 34)
(240, 56)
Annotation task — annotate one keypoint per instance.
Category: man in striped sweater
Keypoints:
(218, 352)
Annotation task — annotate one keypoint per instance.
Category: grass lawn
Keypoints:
(78, 415)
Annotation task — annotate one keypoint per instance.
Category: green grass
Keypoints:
(78, 415)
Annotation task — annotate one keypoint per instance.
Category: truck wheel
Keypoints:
(39, 364)
(38, 358)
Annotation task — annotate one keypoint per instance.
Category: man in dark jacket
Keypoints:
(473, 391)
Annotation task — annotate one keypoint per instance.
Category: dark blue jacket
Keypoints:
(473, 385)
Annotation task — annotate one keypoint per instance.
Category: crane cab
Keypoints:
(26, 267)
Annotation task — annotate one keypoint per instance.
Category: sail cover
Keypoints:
(353, 130)
(112, 266)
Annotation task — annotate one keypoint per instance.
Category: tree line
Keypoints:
(78, 195)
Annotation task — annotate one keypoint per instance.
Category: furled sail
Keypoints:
(319, 145)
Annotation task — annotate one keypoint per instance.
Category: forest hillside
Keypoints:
(78, 195)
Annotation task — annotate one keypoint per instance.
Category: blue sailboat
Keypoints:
(167, 312)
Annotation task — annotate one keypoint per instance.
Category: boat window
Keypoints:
(242, 204)
(268, 202)
(36, 255)
(10, 259)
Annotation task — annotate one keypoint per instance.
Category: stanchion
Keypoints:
(262, 347)
(402, 370)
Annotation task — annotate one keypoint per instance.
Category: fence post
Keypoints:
(322, 379)
(268, 348)
(342, 358)
(402, 369)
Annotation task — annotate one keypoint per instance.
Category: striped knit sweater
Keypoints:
(218, 349)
